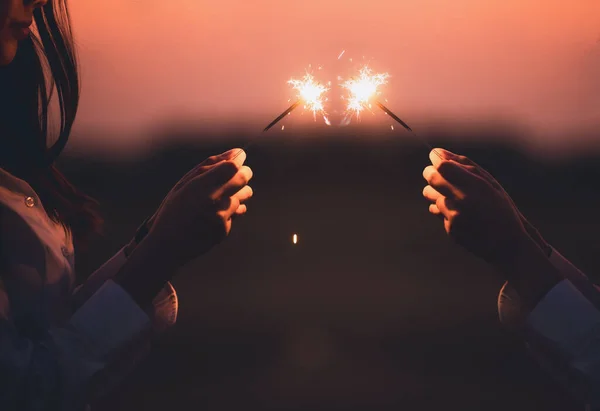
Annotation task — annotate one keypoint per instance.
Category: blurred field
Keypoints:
(374, 309)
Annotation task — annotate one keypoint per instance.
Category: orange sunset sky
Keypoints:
(145, 62)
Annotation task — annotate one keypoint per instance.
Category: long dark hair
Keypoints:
(43, 66)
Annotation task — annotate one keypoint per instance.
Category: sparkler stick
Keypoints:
(282, 115)
(392, 115)
(395, 117)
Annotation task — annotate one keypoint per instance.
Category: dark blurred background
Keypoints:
(374, 308)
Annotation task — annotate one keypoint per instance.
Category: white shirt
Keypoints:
(62, 347)
(563, 331)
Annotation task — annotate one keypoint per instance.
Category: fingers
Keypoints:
(459, 176)
(449, 155)
(241, 209)
(440, 205)
(205, 166)
(431, 194)
(227, 207)
(433, 209)
(238, 156)
(465, 161)
(244, 194)
(445, 207)
(436, 157)
(439, 183)
(212, 160)
(235, 184)
(217, 177)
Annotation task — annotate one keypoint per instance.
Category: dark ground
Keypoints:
(374, 309)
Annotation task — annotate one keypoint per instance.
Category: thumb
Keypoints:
(437, 155)
(238, 156)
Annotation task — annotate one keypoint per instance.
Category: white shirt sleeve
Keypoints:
(163, 312)
(563, 330)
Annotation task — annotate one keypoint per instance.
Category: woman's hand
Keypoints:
(194, 217)
(481, 216)
(475, 168)
(197, 213)
(478, 214)
(238, 155)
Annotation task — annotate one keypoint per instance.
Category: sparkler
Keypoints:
(310, 92)
(364, 89)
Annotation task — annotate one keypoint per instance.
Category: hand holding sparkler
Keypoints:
(194, 217)
(481, 217)
(490, 224)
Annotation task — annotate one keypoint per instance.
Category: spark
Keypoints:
(392, 127)
(362, 89)
(341, 54)
(295, 239)
(310, 93)
(283, 127)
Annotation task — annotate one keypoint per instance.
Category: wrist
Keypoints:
(129, 247)
(140, 234)
(146, 272)
(529, 271)
(537, 237)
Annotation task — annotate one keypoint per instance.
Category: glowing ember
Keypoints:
(310, 93)
(362, 89)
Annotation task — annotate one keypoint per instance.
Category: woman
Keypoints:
(545, 298)
(60, 348)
